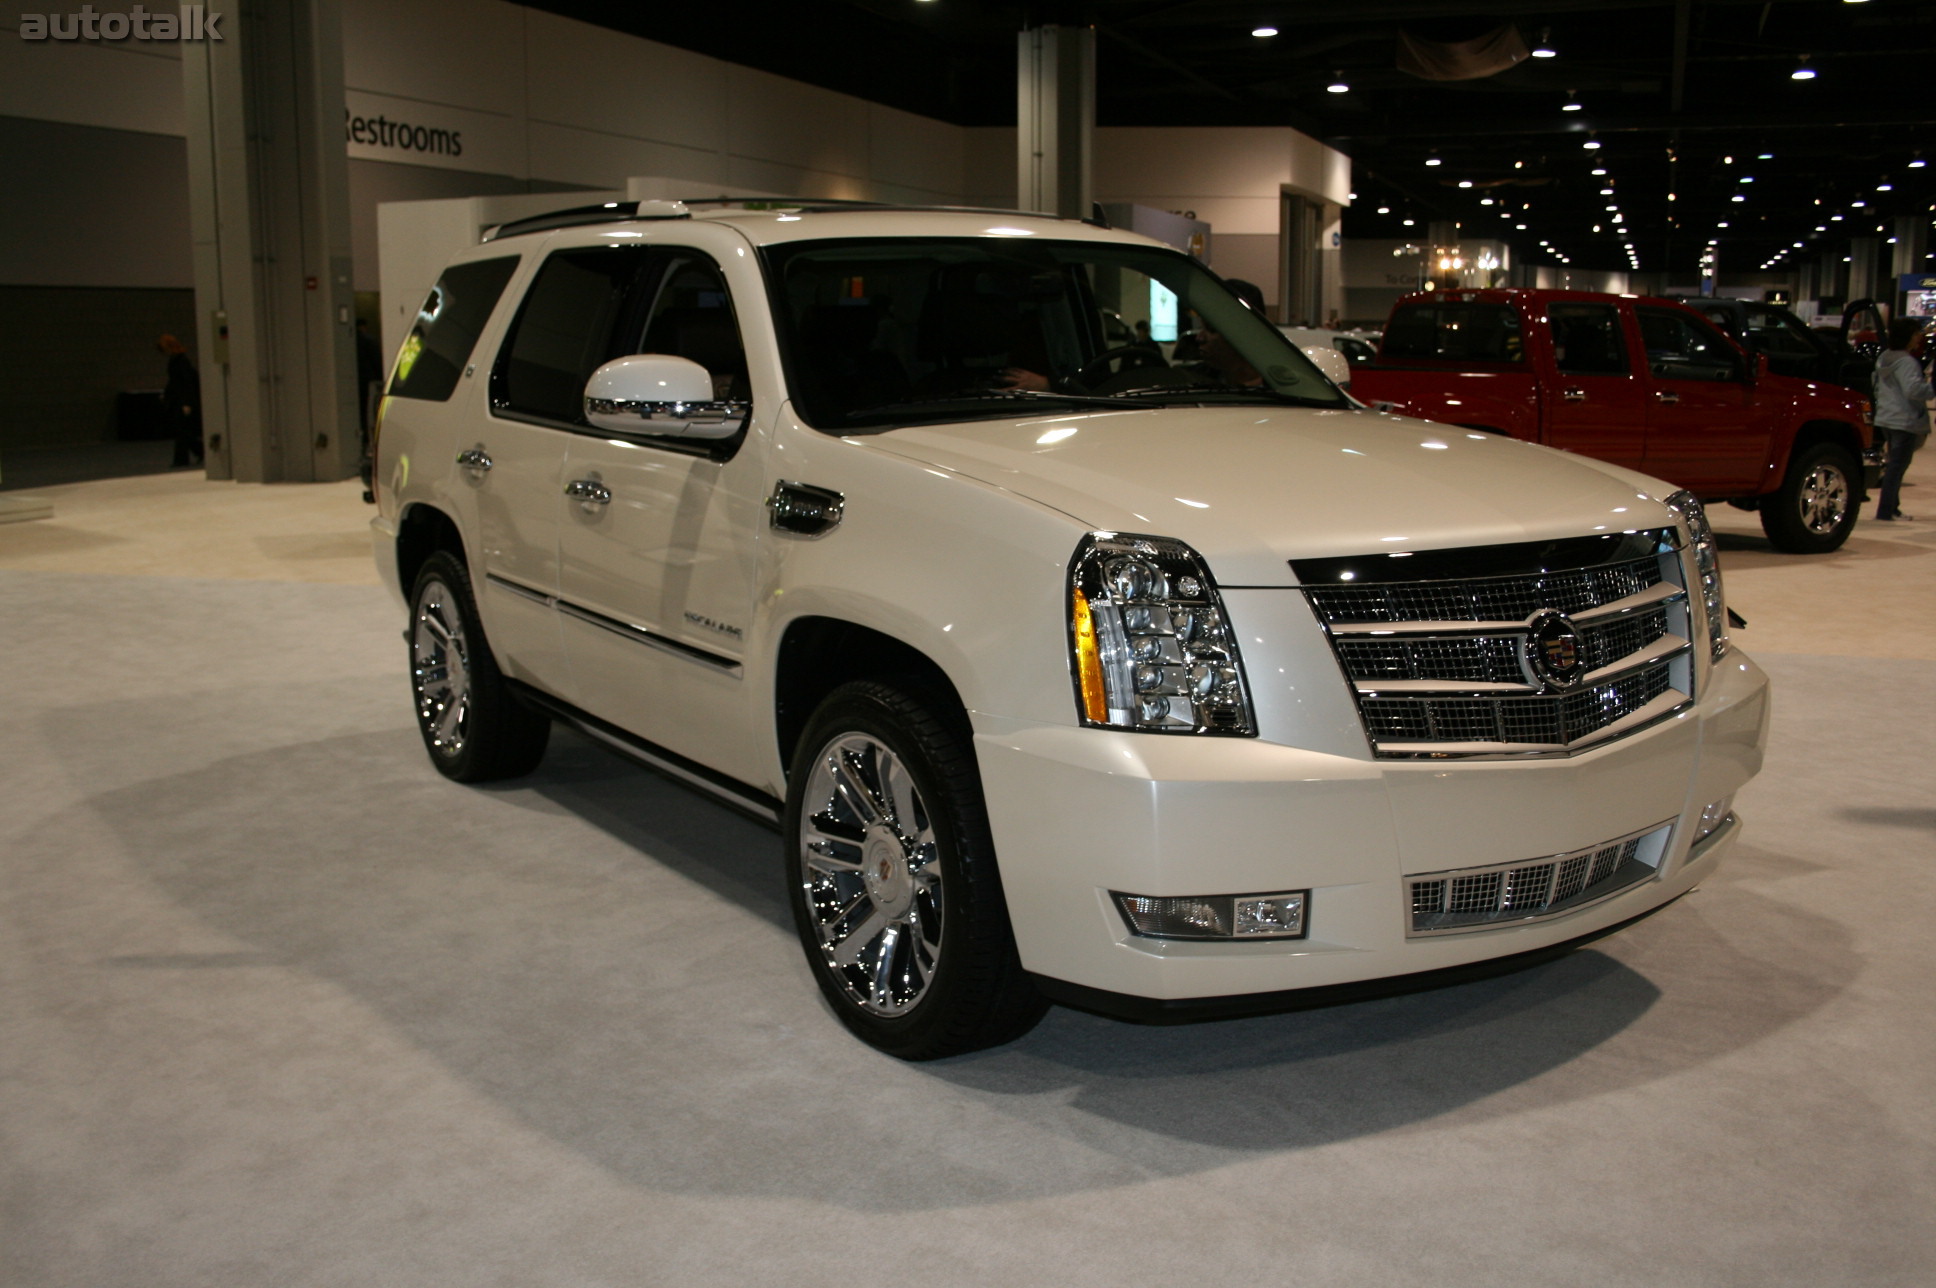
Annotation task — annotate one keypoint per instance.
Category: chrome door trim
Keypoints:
(652, 639)
(624, 630)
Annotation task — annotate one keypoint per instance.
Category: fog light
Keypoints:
(1216, 916)
(1712, 817)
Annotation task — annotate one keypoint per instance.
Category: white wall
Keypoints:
(549, 102)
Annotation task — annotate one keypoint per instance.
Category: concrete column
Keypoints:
(1862, 268)
(1055, 116)
(1912, 245)
(268, 194)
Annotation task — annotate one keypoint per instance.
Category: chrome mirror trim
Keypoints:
(708, 419)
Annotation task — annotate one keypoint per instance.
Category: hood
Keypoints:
(1252, 488)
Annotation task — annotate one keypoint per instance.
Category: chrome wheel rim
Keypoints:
(1824, 499)
(440, 669)
(870, 873)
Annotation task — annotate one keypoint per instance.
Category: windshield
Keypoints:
(886, 332)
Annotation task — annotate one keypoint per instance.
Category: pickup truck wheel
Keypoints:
(891, 874)
(474, 727)
(1816, 507)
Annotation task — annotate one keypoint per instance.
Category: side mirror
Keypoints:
(658, 393)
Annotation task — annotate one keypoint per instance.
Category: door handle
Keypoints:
(1667, 396)
(476, 460)
(1573, 395)
(589, 493)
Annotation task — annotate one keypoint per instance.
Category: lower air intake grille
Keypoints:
(1474, 898)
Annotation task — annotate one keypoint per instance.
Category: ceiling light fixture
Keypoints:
(1432, 159)
(1337, 85)
(1264, 33)
(1804, 72)
(1571, 104)
(1544, 49)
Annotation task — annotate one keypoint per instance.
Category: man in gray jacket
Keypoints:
(1901, 408)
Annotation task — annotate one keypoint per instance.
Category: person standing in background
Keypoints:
(181, 403)
(1901, 408)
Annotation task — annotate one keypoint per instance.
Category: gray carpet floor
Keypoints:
(279, 1005)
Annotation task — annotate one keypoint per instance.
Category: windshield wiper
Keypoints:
(1131, 398)
(1169, 394)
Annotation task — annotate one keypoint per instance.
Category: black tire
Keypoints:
(1817, 505)
(887, 840)
(475, 729)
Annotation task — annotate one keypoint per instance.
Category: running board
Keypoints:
(728, 791)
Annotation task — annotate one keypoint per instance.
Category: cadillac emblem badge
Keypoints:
(1555, 656)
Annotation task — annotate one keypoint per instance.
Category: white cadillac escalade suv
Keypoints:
(1136, 669)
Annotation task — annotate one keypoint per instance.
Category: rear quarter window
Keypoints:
(1456, 332)
(453, 314)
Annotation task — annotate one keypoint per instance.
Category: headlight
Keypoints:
(1151, 647)
(1707, 561)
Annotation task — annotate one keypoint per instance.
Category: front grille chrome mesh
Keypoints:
(1475, 898)
(1452, 665)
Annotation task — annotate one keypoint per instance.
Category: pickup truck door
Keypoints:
(1706, 430)
(1596, 405)
(658, 544)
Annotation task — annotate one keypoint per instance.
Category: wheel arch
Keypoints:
(1813, 433)
(423, 530)
(818, 654)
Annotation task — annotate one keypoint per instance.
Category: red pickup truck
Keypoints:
(1645, 383)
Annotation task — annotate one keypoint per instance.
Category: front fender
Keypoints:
(971, 575)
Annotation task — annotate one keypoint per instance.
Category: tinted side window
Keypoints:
(1681, 346)
(1779, 334)
(572, 321)
(1587, 339)
(692, 317)
(448, 324)
(1458, 332)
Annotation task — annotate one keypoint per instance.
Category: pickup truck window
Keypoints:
(1680, 346)
(1779, 334)
(1457, 332)
(1587, 339)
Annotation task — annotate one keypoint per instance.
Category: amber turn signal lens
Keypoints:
(1089, 662)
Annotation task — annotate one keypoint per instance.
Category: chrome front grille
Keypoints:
(1456, 652)
(1476, 898)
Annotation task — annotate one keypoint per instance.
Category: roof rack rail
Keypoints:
(576, 216)
(679, 208)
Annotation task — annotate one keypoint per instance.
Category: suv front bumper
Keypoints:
(1078, 813)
